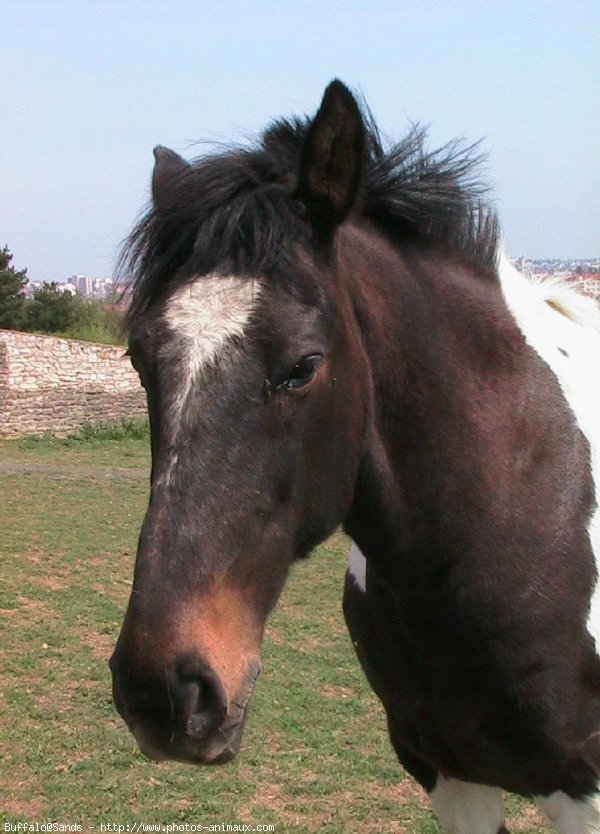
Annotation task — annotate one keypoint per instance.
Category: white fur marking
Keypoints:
(357, 567)
(465, 808)
(206, 315)
(575, 328)
(571, 816)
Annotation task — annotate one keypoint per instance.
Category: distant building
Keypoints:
(84, 284)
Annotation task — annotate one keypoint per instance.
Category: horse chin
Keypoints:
(225, 755)
(215, 752)
(222, 749)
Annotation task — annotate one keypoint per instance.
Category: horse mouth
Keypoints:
(187, 741)
(222, 748)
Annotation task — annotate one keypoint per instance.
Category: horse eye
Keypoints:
(303, 371)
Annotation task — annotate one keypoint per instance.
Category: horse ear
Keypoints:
(333, 158)
(168, 167)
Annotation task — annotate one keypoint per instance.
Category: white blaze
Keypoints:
(206, 316)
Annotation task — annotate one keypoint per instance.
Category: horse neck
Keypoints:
(442, 351)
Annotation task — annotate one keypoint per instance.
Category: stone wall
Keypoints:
(58, 385)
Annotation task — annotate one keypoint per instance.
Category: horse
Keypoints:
(329, 334)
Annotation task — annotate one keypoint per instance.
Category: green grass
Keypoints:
(133, 429)
(315, 755)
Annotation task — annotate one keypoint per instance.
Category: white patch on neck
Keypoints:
(206, 316)
(563, 327)
(357, 567)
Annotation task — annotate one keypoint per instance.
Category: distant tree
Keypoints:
(57, 312)
(12, 292)
(51, 310)
(96, 322)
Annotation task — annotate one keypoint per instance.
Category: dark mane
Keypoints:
(234, 209)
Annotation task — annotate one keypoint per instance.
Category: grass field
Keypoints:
(316, 754)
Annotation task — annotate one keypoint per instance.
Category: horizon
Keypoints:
(117, 283)
(90, 89)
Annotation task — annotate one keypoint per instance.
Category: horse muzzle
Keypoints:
(184, 712)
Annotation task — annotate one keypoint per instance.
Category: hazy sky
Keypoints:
(87, 88)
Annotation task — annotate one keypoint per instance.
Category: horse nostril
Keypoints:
(205, 701)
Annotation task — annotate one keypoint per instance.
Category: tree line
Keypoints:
(53, 311)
